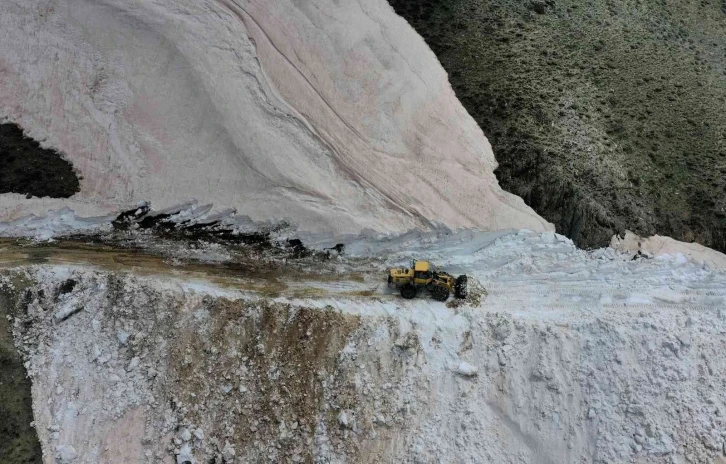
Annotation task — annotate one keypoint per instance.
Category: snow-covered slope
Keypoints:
(334, 114)
(567, 357)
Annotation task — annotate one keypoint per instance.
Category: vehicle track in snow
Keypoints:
(519, 271)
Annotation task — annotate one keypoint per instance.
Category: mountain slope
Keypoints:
(604, 116)
(334, 115)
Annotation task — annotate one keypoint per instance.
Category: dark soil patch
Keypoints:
(603, 115)
(28, 169)
(164, 225)
(18, 441)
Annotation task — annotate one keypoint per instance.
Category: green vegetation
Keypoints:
(603, 115)
(18, 441)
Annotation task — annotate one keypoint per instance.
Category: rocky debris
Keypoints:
(228, 453)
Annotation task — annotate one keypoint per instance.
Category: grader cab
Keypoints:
(422, 275)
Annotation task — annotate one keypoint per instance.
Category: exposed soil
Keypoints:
(268, 272)
(18, 441)
(603, 115)
(29, 169)
(274, 357)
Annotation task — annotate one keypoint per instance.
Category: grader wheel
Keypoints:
(440, 293)
(408, 291)
(461, 288)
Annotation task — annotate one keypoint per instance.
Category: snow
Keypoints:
(330, 114)
(185, 455)
(323, 112)
(466, 369)
(668, 249)
(55, 223)
(568, 356)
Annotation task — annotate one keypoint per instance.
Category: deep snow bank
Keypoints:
(570, 357)
(333, 114)
(666, 246)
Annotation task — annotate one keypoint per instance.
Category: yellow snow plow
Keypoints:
(423, 275)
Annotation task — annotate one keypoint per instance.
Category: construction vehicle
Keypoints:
(423, 275)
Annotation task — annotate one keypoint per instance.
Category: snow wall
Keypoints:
(129, 369)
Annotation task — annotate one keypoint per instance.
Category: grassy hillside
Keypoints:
(603, 115)
(18, 440)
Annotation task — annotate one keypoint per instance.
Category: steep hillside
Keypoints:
(334, 115)
(603, 115)
(18, 439)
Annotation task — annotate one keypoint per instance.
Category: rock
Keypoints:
(199, 434)
(467, 370)
(538, 6)
(666, 444)
(185, 434)
(635, 409)
(408, 342)
(672, 347)
(712, 440)
(67, 311)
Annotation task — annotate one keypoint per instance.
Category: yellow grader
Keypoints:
(423, 275)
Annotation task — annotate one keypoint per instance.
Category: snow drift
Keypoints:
(333, 114)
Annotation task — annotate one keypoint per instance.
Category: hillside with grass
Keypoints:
(603, 115)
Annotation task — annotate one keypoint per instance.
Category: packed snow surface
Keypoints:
(558, 356)
(333, 114)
